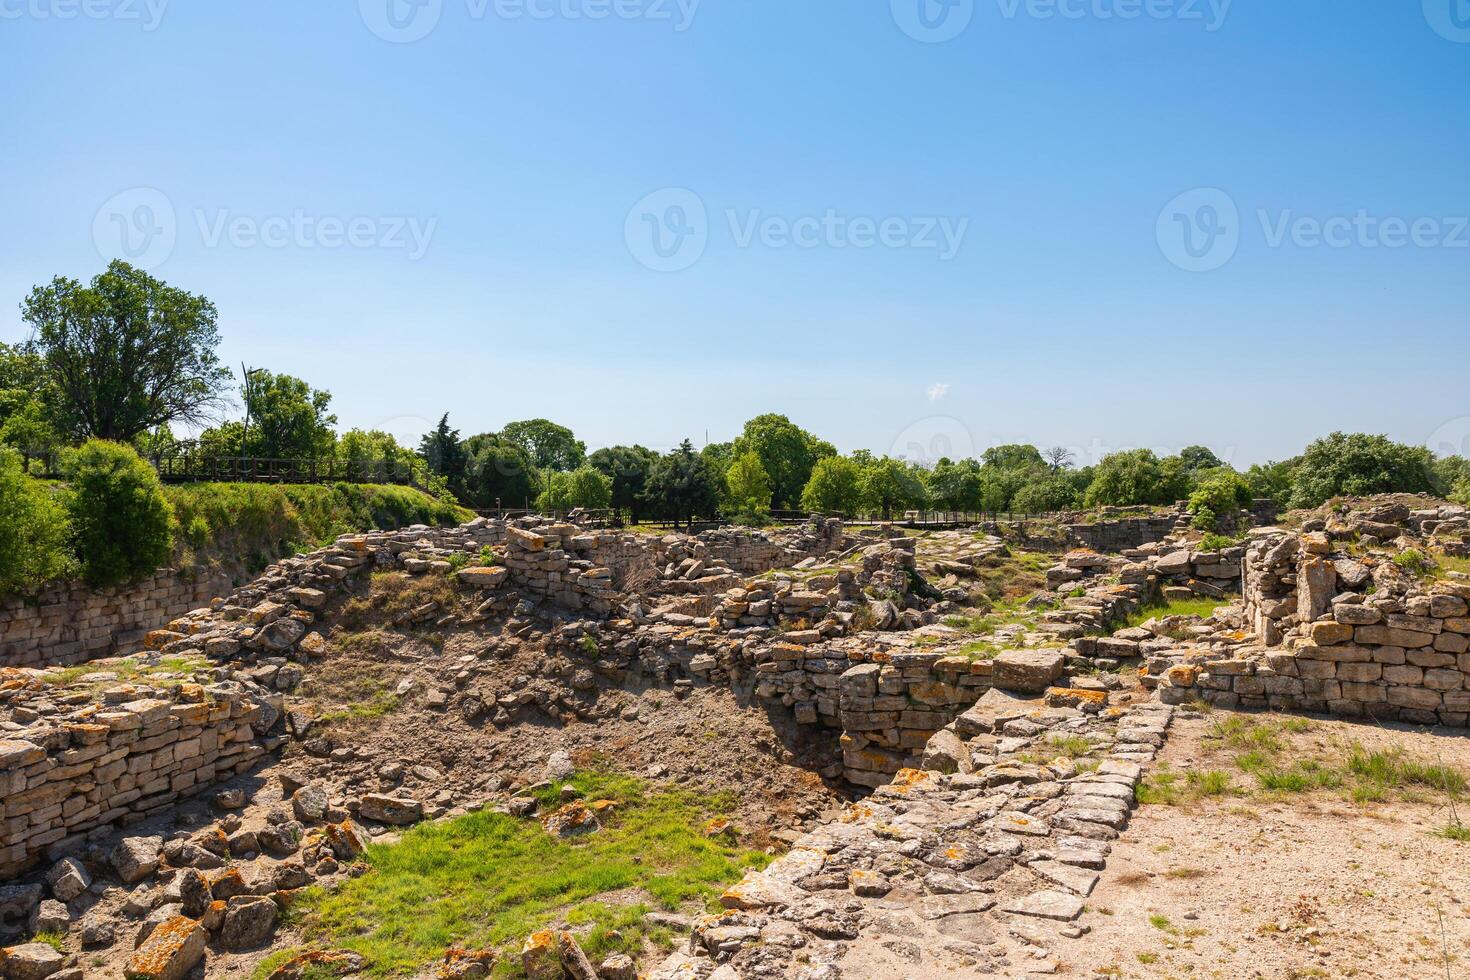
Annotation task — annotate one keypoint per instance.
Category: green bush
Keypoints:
(1357, 465)
(33, 530)
(257, 523)
(122, 525)
(1222, 492)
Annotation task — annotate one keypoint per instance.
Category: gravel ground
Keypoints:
(1312, 885)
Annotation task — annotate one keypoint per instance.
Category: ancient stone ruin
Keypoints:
(166, 793)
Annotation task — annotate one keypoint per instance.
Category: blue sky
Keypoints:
(534, 148)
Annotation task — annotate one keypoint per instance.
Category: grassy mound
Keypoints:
(490, 880)
(253, 524)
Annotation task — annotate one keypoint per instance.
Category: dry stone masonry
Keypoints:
(72, 623)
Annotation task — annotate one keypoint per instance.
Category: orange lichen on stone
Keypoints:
(1183, 675)
(158, 639)
(906, 779)
(540, 959)
(169, 952)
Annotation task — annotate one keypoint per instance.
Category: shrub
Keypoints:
(1358, 465)
(1223, 492)
(122, 525)
(33, 530)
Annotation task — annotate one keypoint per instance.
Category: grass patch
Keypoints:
(258, 523)
(489, 879)
(1201, 607)
(56, 940)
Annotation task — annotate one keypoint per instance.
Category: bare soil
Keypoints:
(1309, 885)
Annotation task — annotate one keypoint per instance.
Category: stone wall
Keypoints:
(1122, 535)
(64, 784)
(1357, 637)
(71, 623)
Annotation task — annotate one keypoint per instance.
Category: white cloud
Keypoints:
(937, 391)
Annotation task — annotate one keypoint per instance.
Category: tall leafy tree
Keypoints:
(887, 485)
(628, 466)
(956, 486)
(288, 420)
(585, 487)
(1130, 477)
(749, 487)
(680, 486)
(550, 446)
(1358, 464)
(445, 455)
(127, 352)
(500, 470)
(833, 488)
(787, 453)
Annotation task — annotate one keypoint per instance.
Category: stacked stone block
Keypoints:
(61, 785)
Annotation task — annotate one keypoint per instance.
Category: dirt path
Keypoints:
(1288, 885)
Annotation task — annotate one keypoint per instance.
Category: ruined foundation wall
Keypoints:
(1349, 644)
(71, 623)
(1122, 535)
(120, 765)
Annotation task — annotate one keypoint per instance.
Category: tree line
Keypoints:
(126, 358)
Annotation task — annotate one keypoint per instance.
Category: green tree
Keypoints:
(888, 485)
(1273, 481)
(1045, 496)
(550, 446)
(446, 456)
(374, 454)
(628, 466)
(680, 486)
(288, 419)
(585, 487)
(787, 454)
(33, 530)
(956, 486)
(1013, 457)
(121, 523)
(500, 470)
(749, 487)
(1357, 465)
(127, 353)
(833, 487)
(1127, 478)
(1194, 459)
(29, 432)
